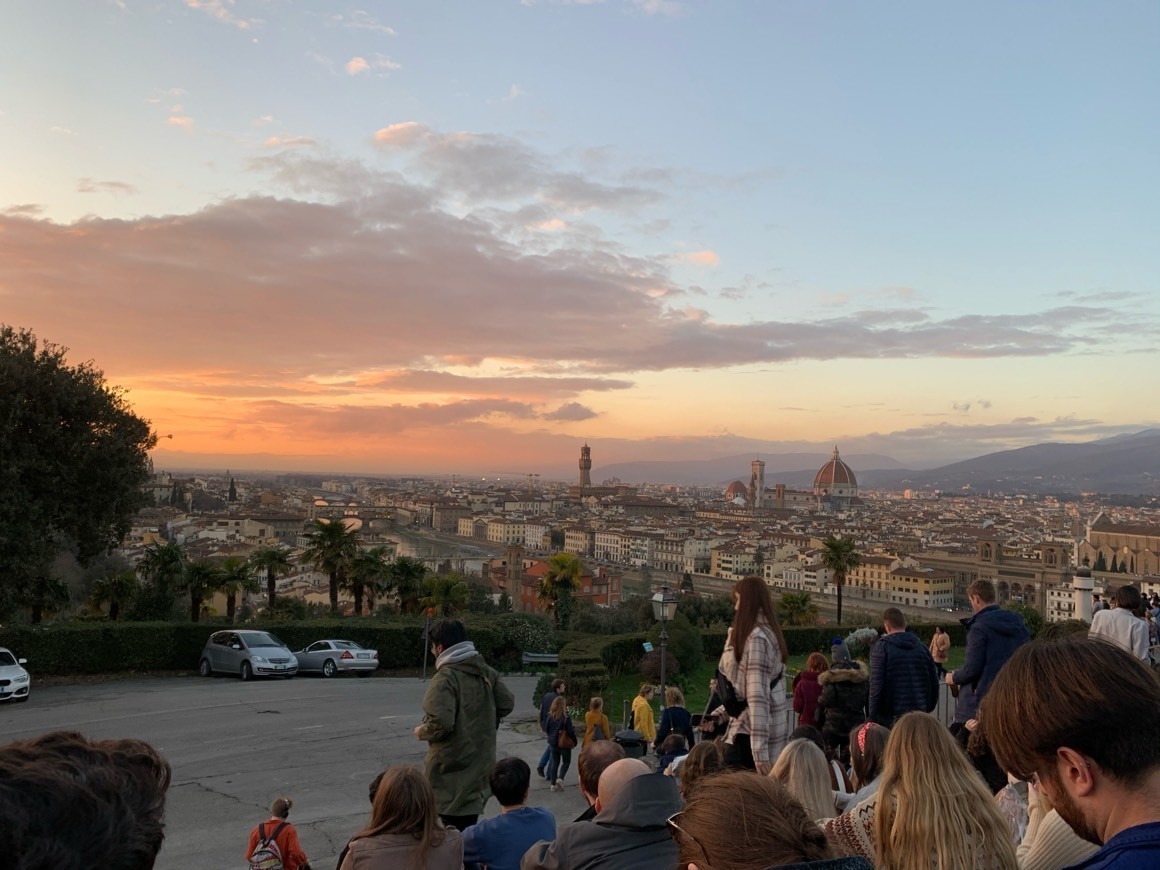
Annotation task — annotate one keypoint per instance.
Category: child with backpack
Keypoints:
(596, 726)
(274, 843)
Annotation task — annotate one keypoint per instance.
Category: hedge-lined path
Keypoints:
(236, 746)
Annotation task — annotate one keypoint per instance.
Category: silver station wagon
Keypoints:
(248, 654)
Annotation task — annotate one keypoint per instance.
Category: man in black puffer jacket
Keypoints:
(903, 676)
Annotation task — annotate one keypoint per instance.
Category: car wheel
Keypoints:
(364, 673)
(291, 676)
(329, 668)
(205, 669)
(247, 672)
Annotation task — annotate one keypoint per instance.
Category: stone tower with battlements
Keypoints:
(757, 483)
(585, 466)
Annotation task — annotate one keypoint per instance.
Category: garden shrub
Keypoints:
(684, 643)
(650, 666)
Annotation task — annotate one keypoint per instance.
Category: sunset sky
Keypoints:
(470, 236)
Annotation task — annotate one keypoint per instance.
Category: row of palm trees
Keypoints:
(332, 547)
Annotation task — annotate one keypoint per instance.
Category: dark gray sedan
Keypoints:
(333, 657)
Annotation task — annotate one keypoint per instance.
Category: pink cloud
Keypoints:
(357, 65)
(701, 258)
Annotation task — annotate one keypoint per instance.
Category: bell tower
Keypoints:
(585, 466)
(757, 483)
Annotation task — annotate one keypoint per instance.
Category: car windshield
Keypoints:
(261, 638)
(6, 658)
(346, 644)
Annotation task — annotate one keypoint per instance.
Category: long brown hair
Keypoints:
(754, 600)
(867, 751)
(933, 809)
(559, 709)
(704, 760)
(405, 804)
(744, 821)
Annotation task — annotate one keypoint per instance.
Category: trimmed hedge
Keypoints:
(104, 647)
(587, 661)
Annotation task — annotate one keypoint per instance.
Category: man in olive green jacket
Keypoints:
(462, 708)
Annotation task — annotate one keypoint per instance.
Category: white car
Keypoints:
(332, 657)
(14, 680)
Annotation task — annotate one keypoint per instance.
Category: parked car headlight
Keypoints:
(259, 659)
(23, 679)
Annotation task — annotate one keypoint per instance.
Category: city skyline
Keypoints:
(378, 238)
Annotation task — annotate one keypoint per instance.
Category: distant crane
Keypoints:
(531, 476)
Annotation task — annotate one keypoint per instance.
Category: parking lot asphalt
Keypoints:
(236, 746)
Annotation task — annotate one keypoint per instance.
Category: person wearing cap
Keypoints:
(843, 701)
(839, 652)
(282, 833)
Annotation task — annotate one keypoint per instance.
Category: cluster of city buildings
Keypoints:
(915, 551)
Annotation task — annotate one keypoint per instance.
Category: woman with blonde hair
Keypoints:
(642, 714)
(753, 664)
(405, 831)
(596, 725)
(803, 770)
(675, 719)
(931, 808)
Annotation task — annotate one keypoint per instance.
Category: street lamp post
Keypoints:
(664, 608)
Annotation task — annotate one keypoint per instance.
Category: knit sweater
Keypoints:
(1049, 843)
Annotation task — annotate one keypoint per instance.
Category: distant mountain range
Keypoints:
(1128, 464)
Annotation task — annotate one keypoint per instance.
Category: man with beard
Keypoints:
(1081, 719)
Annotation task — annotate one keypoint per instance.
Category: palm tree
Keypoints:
(237, 575)
(369, 573)
(115, 590)
(162, 564)
(44, 593)
(797, 608)
(274, 562)
(407, 577)
(200, 579)
(839, 555)
(446, 593)
(331, 548)
(558, 584)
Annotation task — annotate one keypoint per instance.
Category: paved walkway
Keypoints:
(236, 746)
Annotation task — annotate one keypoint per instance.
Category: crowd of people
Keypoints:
(1053, 761)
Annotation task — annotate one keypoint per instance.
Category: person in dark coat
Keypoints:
(556, 691)
(903, 676)
(842, 704)
(629, 831)
(993, 635)
(675, 719)
(462, 709)
(560, 756)
(710, 728)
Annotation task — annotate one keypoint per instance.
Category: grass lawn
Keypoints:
(626, 686)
